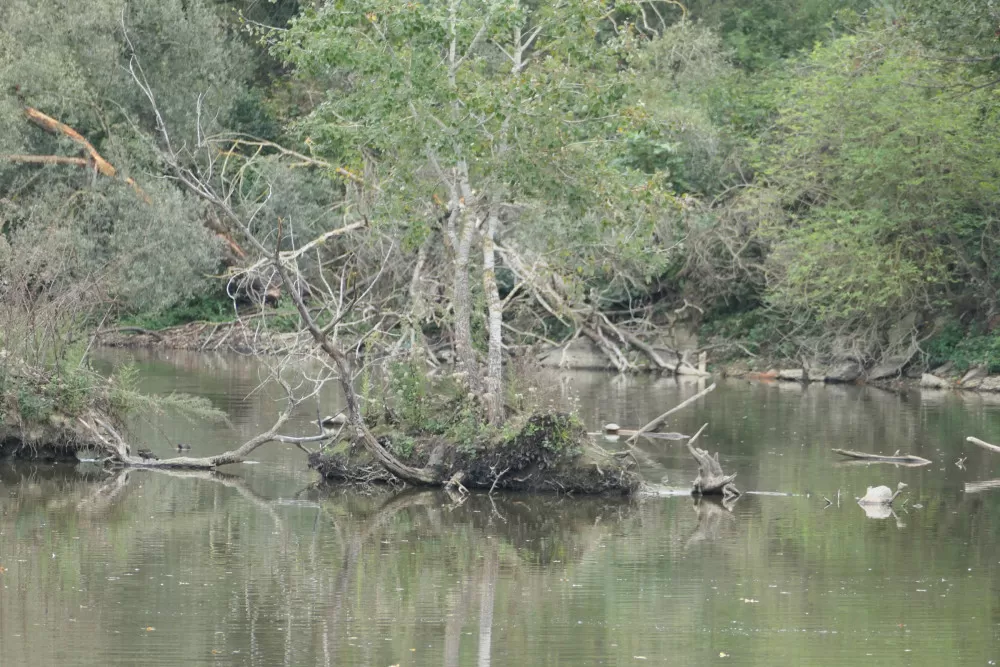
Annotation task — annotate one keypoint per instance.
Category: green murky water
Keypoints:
(257, 568)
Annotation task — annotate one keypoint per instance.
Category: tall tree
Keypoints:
(505, 121)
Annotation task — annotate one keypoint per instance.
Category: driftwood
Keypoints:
(711, 479)
(659, 420)
(983, 444)
(902, 459)
(656, 435)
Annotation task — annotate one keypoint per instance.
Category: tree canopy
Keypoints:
(793, 174)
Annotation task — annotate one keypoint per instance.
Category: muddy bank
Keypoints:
(53, 442)
(548, 452)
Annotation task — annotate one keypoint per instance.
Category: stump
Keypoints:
(711, 478)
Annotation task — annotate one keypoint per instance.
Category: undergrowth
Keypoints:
(413, 403)
(205, 308)
(964, 348)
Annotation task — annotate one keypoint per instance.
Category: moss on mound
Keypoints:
(543, 452)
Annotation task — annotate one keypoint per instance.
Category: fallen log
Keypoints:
(135, 330)
(850, 463)
(902, 459)
(711, 479)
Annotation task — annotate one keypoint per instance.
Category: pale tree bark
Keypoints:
(462, 293)
(494, 361)
(418, 309)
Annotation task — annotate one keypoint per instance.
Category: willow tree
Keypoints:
(77, 142)
(504, 123)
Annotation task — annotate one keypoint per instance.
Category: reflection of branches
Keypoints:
(233, 482)
(987, 485)
(713, 515)
(352, 553)
(486, 600)
(106, 494)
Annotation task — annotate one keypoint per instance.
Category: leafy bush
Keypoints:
(964, 348)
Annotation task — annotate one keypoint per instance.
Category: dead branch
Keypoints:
(342, 364)
(119, 453)
(47, 159)
(319, 240)
(612, 351)
(94, 160)
(304, 160)
(647, 350)
(659, 420)
(102, 166)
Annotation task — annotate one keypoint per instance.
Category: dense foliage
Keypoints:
(808, 173)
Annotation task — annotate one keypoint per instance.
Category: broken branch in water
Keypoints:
(983, 444)
(659, 420)
(901, 459)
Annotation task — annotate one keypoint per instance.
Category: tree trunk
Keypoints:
(711, 479)
(463, 304)
(494, 366)
(374, 447)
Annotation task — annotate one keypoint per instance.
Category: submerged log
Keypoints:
(613, 430)
(711, 479)
(901, 459)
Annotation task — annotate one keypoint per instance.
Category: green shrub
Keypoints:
(964, 349)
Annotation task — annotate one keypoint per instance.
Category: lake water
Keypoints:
(258, 567)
